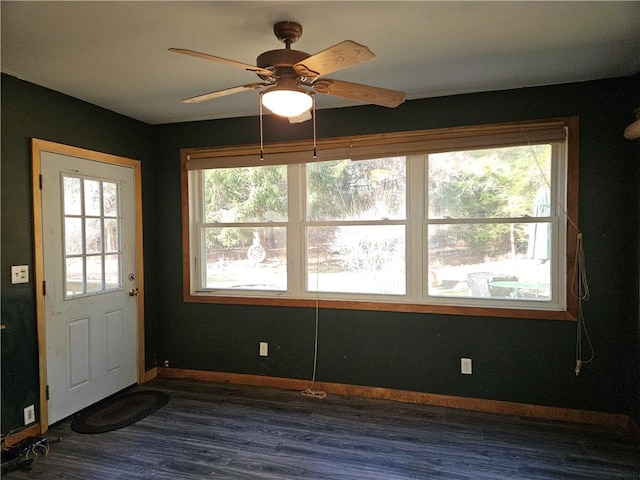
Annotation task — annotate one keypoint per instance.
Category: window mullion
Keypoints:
(197, 238)
(559, 212)
(416, 226)
(296, 256)
(484, 220)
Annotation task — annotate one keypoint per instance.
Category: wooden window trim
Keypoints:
(571, 311)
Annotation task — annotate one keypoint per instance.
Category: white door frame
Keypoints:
(38, 146)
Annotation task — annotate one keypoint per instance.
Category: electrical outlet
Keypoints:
(465, 366)
(29, 415)
(19, 273)
(264, 349)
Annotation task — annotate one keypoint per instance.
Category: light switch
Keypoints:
(19, 273)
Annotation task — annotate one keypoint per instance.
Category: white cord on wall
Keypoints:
(311, 392)
(582, 293)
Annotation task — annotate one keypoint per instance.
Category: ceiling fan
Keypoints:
(290, 77)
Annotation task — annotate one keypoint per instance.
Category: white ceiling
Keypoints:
(114, 54)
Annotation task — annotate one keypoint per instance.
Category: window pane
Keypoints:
(74, 276)
(110, 199)
(73, 236)
(252, 194)
(246, 258)
(363, 190)
(112, 271)
(110, 235)
(92, 197)
(94, 273)
(490, 260)
(93, 235)
(356, 259)
(500, 182)
(72, 196)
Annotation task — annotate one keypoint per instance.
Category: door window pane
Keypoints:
(73, 235)
(92, 197)
(110, 199)
(93, 235)
(72, 196)
(111, 271)
(74, 276)
(111, 235)
(94, 273)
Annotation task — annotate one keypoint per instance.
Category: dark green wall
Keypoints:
(635, 372)
(514, 360)
(31, 111)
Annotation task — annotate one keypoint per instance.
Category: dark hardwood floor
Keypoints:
(234, 432)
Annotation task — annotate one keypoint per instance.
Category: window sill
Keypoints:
(386, 307)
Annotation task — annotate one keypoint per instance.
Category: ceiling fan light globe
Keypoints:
(287, 103)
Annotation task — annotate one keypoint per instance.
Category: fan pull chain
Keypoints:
(313, 116)
(261, 133)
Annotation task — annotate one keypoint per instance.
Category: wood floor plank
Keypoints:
(223, 431)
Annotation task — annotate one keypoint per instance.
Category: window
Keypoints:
(491, 224)
(242, 233)
(356, 226)
(91, 235)
(471, 220)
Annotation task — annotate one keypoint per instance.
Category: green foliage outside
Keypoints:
(233, 195)
(364, 190)
(492, 183)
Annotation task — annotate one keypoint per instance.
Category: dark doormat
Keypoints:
(119, 411)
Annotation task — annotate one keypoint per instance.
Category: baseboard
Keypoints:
(633, 428)
(150, 374)
(612, 420)
(30, 431)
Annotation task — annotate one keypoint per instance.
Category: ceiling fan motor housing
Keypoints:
(280, 58)
(281, 61)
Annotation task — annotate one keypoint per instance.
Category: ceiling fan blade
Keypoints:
(233, 63)
(303, 117)
(226, 91)
(342, 55)
(356, 91)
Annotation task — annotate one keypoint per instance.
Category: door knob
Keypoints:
(133, 292)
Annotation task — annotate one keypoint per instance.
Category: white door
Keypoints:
(89, 242)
